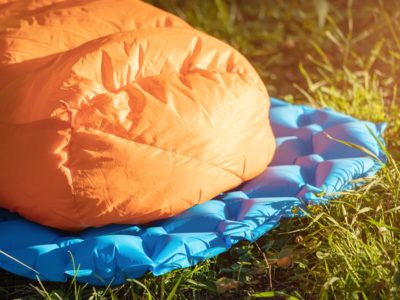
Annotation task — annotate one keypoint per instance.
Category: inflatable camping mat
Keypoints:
(307, 166)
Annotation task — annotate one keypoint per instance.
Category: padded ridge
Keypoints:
(306, 164)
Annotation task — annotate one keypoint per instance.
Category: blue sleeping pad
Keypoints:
(308, 166)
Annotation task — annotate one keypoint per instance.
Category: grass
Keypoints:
(343, 54)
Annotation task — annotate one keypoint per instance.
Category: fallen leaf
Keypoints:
(224, 284)
(284, 262)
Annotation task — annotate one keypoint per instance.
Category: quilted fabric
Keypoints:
(118, 112)
(307, 163)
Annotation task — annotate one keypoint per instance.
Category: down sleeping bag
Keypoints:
(118, 112)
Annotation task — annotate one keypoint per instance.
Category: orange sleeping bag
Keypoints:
(118, 112)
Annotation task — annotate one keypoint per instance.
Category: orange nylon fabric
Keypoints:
(118, 112)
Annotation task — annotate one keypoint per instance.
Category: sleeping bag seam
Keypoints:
(165, 150)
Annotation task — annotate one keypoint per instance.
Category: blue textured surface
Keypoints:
(306, 163)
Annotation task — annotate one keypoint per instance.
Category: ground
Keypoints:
(339, 53)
